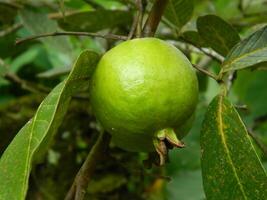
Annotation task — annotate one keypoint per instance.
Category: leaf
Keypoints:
(34, 138)
(217, 33)
(32, 20)
(25, 58)
(194, 38)
(248, 52)
(179, 12)
(95, 20)
(231, 168)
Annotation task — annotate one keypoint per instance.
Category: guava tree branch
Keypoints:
(10, 30)
(88, 34)
(79, 186)
(137, 22)
(206, 72)
(154, 18)
(209, 53)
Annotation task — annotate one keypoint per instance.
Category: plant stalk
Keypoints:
(154, 18)
(106, 36)
(79, 186)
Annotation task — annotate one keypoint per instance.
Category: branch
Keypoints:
(259, 143)
(154, 18)
(138, 19)
(106, 36)
(79, 186)
(10, 29)
(211, 53)
(24, 84)
(206, 72)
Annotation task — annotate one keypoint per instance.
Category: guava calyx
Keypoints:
(164, 140)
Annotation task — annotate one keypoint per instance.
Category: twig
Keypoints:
(230, 79)
(137, 22)
(154, 18)
(141, 4)
(211, 54)
(259, 143)
(10, 29)
(106, 36)
(79, 186)
(206, 72)
(24, 84)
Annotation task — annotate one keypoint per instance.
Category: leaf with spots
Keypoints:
(231, 168)
(248, 52)
(217, 33)
(34, 138)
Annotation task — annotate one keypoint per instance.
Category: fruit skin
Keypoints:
(142, 86)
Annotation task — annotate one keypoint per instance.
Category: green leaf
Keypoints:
(217, 33)
(34, 138)
(248, 52)
(38, 23)
(95, 20)
(231, 168)
(194, 38)
(25, 58)
(179, 12)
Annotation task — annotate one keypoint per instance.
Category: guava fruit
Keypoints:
(143, 92)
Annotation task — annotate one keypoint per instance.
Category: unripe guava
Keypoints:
(142, 89)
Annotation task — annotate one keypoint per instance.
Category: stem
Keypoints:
(206, 72)
(79, 186)
(210, 53)
(10, 30)
(137, 20)
(32, 87)
(154, 18)
(106, 36)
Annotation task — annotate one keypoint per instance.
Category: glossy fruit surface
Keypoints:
(140, 87)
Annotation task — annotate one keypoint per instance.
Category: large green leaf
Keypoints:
(34, 138)
(231, 168)
(179, 12)
(217, 33)
(95, 20)
(248, 52)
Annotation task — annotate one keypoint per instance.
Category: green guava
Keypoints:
(144, 91)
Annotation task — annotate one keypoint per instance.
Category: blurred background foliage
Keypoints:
(30, 70)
